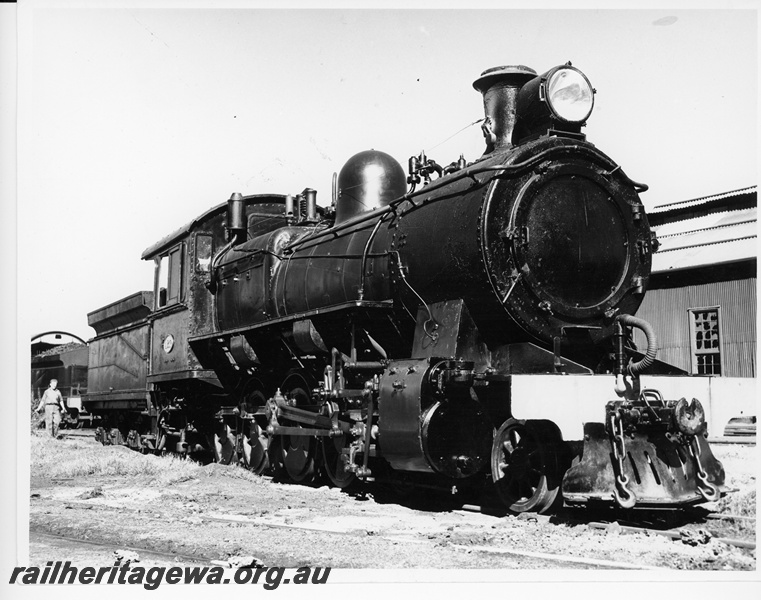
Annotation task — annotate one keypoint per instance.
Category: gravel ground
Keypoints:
(218, 512)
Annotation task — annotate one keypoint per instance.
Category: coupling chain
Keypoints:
(708, 490)
(624, 496)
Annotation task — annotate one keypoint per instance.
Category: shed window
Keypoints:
(706, 341)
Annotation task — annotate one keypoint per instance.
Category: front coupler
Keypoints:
(647, 452)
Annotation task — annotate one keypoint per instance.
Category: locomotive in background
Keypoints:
(475, 326)
(53, 358)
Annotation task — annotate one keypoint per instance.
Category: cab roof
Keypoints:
(183, 231)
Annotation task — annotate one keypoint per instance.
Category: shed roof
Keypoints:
(704, 254)
(703, 200)
(711, 233)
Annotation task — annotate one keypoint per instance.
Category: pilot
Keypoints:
(52, 402)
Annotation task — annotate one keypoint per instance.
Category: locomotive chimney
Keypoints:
(499, 87)
(236, 218)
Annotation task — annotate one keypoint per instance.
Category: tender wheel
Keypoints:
(223, 446)
(523, 467)
(297, 452)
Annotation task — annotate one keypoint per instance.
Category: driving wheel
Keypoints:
(254, 443)
(523, 466)
(223, 445)
(297, 452)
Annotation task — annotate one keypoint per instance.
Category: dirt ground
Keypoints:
(218, 513)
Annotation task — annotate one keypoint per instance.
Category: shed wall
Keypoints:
(667, 309)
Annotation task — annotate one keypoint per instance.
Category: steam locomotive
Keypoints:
(461, 325)
(67, 363)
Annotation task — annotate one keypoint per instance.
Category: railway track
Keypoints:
(568, 518)
(146, 554)
(627, 524)
(742, 440)
(77, 433)
(549, 560)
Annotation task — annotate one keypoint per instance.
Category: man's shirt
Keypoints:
(51, 396)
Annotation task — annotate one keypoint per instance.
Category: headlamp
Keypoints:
(569, 94)
(556, 102)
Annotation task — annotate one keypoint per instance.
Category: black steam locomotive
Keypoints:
(67, 363)
(445, 326)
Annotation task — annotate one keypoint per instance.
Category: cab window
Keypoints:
(169, 278)
(203, 253)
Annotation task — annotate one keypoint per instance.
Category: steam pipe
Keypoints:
(211, 284)
(364, 259)
(652, 343)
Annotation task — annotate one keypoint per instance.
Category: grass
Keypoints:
(70, 458)
(740, 466)
(742, 503)
(75, 458)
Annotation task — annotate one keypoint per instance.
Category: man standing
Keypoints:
(52, 402)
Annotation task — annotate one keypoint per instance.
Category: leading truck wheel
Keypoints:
(335, 462)
(523, 467)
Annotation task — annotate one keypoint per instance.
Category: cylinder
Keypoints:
(421, 433)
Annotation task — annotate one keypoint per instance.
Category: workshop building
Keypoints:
(702, 294)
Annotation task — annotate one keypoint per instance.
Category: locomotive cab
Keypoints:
(184, 270)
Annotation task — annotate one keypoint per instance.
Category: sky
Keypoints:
(134, 120)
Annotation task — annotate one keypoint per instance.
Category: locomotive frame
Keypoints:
(348, 342)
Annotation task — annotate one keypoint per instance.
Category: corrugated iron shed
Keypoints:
(706, 201)
(706, 261)
(706, 231)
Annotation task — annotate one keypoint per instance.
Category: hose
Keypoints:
(652, 343)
